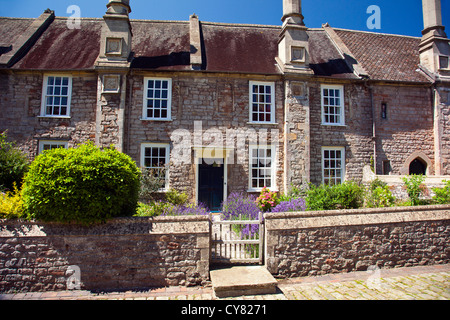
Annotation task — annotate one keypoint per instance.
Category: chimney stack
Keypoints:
(293, 47)
(434, 48)
(292, 12)
(115, 46)
(432, 15)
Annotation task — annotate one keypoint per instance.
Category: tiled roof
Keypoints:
(61, 48)
(385, 57)
(325, 59)
(160, 45)
(165, 45)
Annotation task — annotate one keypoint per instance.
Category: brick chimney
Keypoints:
(293, 48)
(434, 47)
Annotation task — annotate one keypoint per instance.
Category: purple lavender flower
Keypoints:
(237, 205)
(296, 204)
(186, 210)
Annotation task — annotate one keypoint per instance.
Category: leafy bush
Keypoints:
(153, 209)
(267, 200)
(151, 181)
(176, 198)
(379, 195)
(415, 188)
(294, 193)
(347, 195)
(84, 185)
(11, 204)
(294, 204)
(442, 195)
(13, 164)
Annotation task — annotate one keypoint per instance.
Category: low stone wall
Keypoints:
(397, 185)
(126, 253)
(317, 243)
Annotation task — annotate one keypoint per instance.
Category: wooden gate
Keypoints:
(231, 242)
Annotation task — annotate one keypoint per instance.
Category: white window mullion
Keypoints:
(262, 102)
(333, 165)
(156, 156)
(332, 100)
(157, 100)
(56, 96)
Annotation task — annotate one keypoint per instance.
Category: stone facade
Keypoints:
(393, 113)
(21, 115)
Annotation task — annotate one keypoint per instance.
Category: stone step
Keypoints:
(242, 281)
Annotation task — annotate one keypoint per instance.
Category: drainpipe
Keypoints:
(374, 126)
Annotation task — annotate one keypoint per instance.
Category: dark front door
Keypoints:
(210, 183)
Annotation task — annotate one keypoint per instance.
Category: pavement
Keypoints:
(409, 283)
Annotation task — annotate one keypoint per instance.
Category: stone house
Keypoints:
(231, 107)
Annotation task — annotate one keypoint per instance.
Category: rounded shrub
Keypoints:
(13, 164)
(84, 185)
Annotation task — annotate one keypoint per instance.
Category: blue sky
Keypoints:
(397, 16)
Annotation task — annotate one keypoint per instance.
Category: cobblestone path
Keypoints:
(412, 283)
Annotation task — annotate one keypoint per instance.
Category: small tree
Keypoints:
(414, 188)
(442, 195)
(13, 164)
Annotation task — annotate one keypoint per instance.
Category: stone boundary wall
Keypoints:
(317, 243)
(122, 254)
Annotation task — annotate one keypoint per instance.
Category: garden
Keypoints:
(90, 185)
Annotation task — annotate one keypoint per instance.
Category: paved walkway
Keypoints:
(412, 283)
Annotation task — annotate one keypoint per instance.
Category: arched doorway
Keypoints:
(418, 166)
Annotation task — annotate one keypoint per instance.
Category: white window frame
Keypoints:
(271, 104)
(45, 95)
(272, 168)
(335, 167)
(166, 146)
(53, 144)
(146, 99)
(341, 105)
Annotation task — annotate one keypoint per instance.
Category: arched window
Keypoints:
(418, 166)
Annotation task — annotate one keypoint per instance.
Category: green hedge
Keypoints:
(84, 185)
(348, 195)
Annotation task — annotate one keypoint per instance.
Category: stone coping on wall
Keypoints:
(318, 219)
(116, 226)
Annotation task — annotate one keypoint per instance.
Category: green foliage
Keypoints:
(347, 195)
(152, 209)
(11, 204)
(379, 195)
(13, 164)
(151, 181)
(442, 195)
(415, 188)
(267, 200)
(294, 193)
(84, 185)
